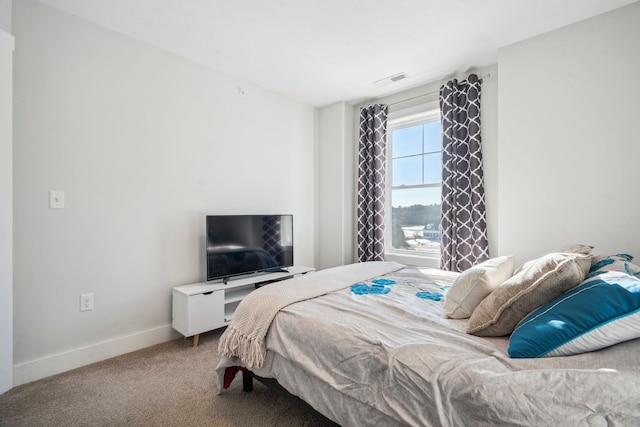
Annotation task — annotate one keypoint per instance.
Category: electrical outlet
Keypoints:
(86, 302)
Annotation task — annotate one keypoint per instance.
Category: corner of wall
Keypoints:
(335, 185)
(349, 167)
(6, 211)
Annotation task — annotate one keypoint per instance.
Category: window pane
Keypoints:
(406, 141)
(405, 197)
(407, 171)
(432, 168)
(415, 174)
(432, 137)
(416, 219)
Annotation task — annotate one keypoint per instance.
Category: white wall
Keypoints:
(569, 147)
(6, 7)
(335, 181)
(6, 212)
(144, 144)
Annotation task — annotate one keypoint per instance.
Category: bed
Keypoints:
(372, 344)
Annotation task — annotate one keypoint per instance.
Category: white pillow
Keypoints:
(474, 284)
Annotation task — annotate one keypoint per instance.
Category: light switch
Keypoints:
(56, 199)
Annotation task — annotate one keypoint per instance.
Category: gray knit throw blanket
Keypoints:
(245, 336)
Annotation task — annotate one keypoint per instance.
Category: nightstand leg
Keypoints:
(196, 337)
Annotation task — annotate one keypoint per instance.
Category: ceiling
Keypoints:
(324, 51)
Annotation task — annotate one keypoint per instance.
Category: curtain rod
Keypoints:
(433, 92)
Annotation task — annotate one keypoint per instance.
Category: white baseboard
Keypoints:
(57, 363)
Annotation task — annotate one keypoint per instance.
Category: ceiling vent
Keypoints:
(390, 79)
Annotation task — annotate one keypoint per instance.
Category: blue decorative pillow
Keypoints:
(619, 262)
(602, 311)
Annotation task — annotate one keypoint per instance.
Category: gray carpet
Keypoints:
(170, 384)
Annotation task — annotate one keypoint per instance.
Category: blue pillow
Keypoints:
(602, 311)
(620, 262)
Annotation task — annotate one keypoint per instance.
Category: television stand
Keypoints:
(202, 307)
(256, 274)
(277, 270)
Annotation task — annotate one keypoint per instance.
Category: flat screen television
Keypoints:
(246, 244)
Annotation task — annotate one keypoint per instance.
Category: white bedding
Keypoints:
(245, 336)
(395, 360)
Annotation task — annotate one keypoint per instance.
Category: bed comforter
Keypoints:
(394, 359)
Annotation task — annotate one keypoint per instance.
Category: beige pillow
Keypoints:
(474, 284)
(572, 249)
(577, 249)
(538, 283)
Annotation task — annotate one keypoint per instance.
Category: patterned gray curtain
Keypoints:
(464, 226)
(371, 180)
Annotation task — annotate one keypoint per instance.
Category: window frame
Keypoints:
(409, 257)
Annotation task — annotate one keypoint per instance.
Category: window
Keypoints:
(414, 185)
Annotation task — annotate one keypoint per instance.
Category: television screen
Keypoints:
(243, 244)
